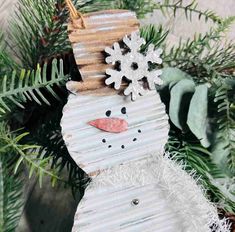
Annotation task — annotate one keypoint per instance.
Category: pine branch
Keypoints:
(10, 196)
(192, 8)
(29, 85)
(39, 31)
(218, 61)
(7, 64)
(27, 154)
(141, 7)
(224, 144)
(48, 136)
(153, 35)
(196, 158)
(203, 56)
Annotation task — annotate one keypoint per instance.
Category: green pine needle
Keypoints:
(12, 146)
(172, 6)
(224, 148)
(29, 85)
(10, 195)
(7, 64)
(39, 32)
(196, 158)
(203, 57)
(153, 35)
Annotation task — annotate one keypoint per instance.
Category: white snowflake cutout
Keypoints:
(134, 65)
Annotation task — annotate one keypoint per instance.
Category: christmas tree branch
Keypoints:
(28, 154)
(29, 85)
(10, 195)
(188, 9)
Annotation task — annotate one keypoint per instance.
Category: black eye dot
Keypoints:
(122, 146)
(123, 110)
(109, 146)
(139, 131)
(134, 139)
(104, 140)
(108, 113)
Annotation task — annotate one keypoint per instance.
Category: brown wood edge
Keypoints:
(78, 23)
(93, 87)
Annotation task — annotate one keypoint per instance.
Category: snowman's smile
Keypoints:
(122, 146)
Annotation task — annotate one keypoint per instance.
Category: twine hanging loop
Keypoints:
(74, 14)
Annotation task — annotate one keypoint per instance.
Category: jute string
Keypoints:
(74, 14)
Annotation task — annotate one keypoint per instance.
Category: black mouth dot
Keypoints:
(109, 146)
(108, 113)
(123, 110)
(104, 140)
(134, 139)
(139, 131)
(122, 146)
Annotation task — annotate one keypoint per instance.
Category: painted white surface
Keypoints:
(169, 200)
(84, 142)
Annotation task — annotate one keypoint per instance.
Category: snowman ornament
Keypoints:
(117, 136)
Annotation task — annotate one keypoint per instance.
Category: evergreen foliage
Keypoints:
(17, 152)
(224, 148)
(203, 57)
(187, 151)
(6, 62)
(204, 60)
(29, 84)
(10, 195)
(41, 33)
(153, 35)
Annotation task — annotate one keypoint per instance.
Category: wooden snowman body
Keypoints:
(119, 143)
(118, 205)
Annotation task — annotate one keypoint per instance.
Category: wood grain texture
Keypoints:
(103, 28)
(111, 209)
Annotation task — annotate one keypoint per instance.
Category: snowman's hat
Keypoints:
(90, 35)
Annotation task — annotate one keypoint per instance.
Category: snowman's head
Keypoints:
(103, 131)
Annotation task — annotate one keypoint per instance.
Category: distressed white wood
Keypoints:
(169, 200)
(85, 144)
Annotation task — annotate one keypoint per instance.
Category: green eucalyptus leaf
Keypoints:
(181, 94)
(170, 75)
(197, 115)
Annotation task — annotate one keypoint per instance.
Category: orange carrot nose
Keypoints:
(113, 125)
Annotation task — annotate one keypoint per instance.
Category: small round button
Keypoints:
(135, 202)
